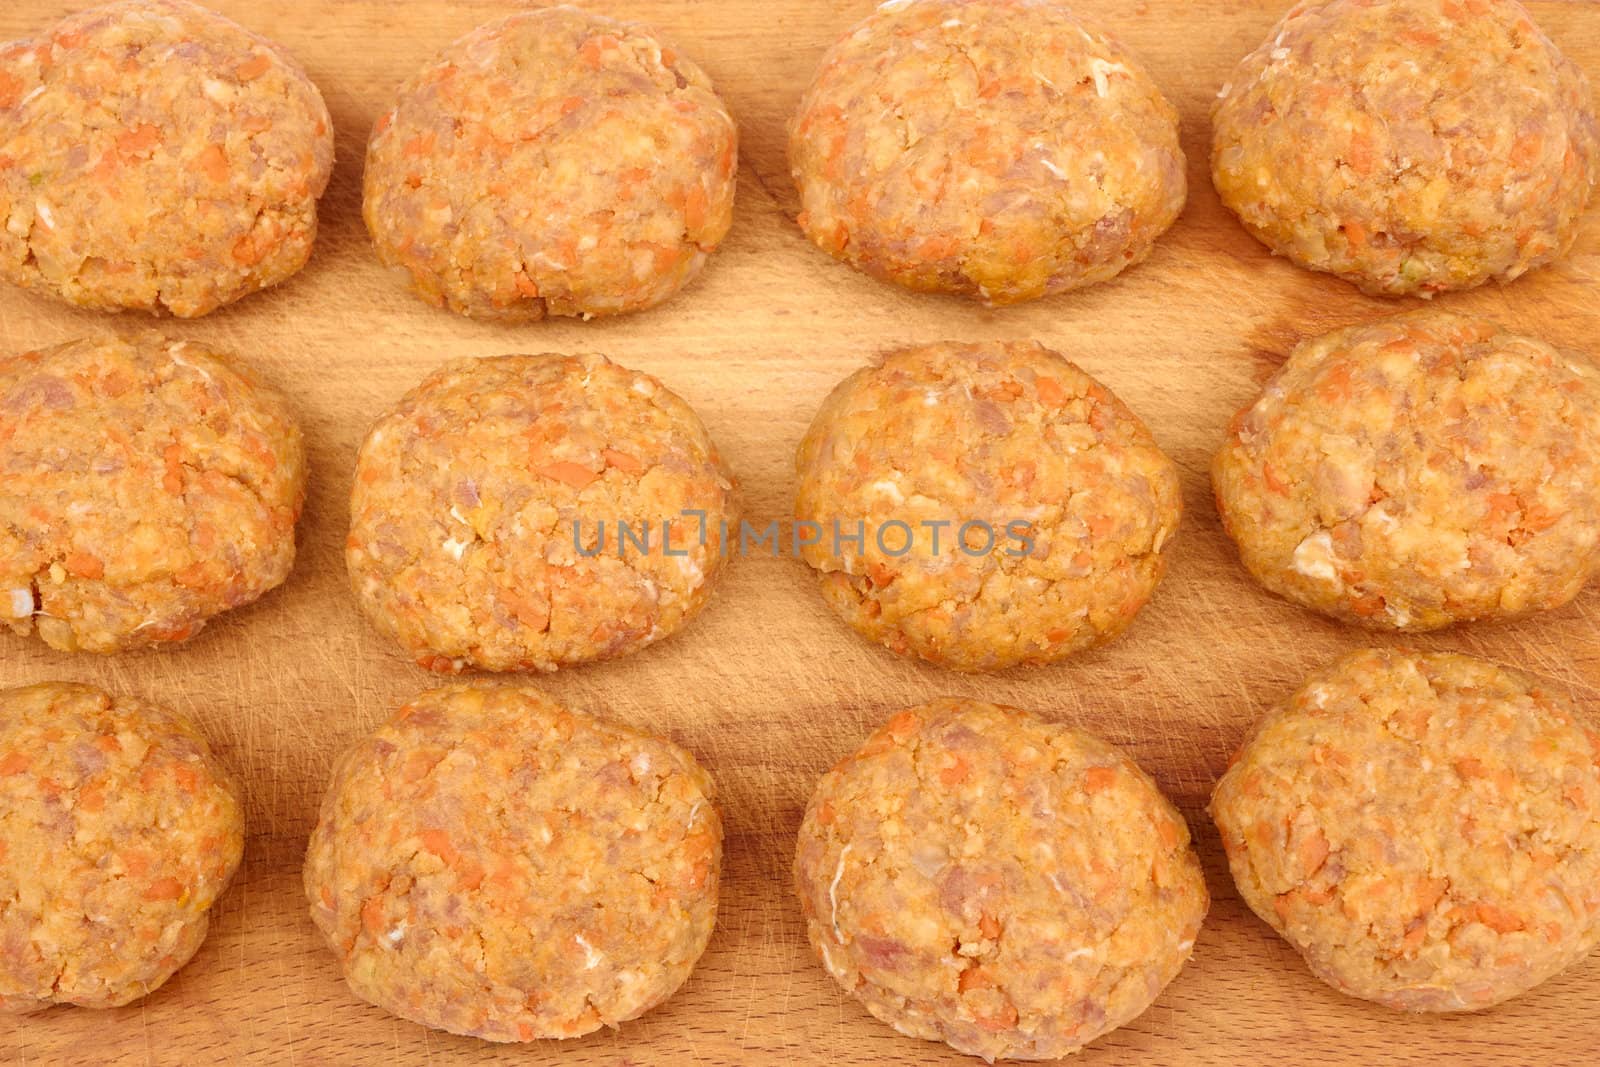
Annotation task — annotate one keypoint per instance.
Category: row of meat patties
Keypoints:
(977, 506)
(155, 155)
(1423, 828)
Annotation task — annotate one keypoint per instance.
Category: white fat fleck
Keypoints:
(1099, 68)
(455, 547)
(1314, 557)
(930, 398)
(832, 964)
(396, 934)
(591, 958)
(889, 489)
(587, 241)
(950, 24)
(1052, 168)
(1279, 54)
(25, 101)
(894, 5)
(1185, 946)
(21, 603)
(694, 810)
(640, 764)
(175, 352)
(42, 209)
(833, 894)
(1079, 953)
(1222, 93)
(1318, 696)
(690, 568)
(455, 513)
(1399, 616)
(543, 260)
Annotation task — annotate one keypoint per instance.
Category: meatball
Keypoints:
(978, 876)
(156, 156)
(1419, 471)
(146, 485)
(997, 149)
(1408, 146)
(118, 831)
(491, 864)
(552, 162)
(1424, 829)
(983, 506)
(533, 512)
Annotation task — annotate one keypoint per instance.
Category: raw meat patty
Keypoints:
(533, 512)
(1419, 471)
(997, 149)
(118, 830)
(155, 155)
(552, 162)
(146, 485)
(1424, 829)
(1012, 510)
(1408, 146)
(491, 864)
(978, 876)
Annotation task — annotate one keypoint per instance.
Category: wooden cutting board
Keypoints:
(767, 687)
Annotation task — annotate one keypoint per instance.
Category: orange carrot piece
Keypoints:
(1050, 392)
(164, 889)
(622, 461)
(253, 68)
(1096, 779)
(81, 564)
(214, 161)
(573, 474)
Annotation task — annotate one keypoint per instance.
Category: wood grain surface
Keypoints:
(767, 687)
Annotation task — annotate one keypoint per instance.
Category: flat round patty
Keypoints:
(491, 864)
(532, 512)
(1419, 471)
(1408, 146)
(155, 155)
(998, 149)
(552, 162)
(1013, 887)
(118, 830)
(1424, 829)
(984, 505)
(146, 485)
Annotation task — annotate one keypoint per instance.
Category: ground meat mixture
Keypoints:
(1006, 508)
(1409, 146)
(491, 864)
(146, 485)
(155, 155)
(1424, 829)
(532, 512)
(978, 876)
(552, 162)
(118, 830)
(998, 149)
(1419, 471)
